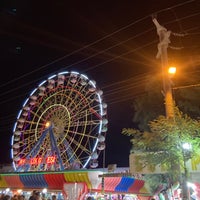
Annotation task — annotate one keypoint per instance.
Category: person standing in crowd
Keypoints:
(54, 197)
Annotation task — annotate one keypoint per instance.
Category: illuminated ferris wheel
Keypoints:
(62, 125)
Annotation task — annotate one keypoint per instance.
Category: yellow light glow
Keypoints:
(47, 124)
(172, 70)
(19, 191)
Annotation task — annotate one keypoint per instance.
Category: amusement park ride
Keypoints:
(58, 136)
(62, 125)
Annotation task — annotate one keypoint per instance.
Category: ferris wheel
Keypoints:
(62, 125)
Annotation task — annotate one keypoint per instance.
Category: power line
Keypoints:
(95, 42)
(186, 86)
(115, 100)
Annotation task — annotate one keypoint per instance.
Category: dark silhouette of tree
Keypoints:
(150, 105)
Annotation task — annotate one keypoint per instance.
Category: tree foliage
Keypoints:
(165, 139)
(150, 105)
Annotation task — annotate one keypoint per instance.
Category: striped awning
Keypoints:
(13, 181)
(121, 184)
(56, 181)
(33, 180)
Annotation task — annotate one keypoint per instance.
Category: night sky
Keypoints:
(112, 42)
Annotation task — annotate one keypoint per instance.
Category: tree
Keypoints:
(162, 145)
(188, 100)
(151, 104)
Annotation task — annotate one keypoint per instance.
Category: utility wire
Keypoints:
(186, 86)
(95, 42)
(94, 54)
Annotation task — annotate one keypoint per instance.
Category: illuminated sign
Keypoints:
(22, 161)
(34, 161)
(50, 160)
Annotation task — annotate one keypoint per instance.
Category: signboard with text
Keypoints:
(50, 160)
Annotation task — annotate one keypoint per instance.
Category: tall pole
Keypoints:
(103, 177)
(163, 44)
(164, 40)
(185, 188)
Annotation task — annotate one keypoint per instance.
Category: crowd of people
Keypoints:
(35, 195)
(14, 197)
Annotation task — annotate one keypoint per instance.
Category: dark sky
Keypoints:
(112, 42)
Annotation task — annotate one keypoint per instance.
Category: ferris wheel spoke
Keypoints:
(88, 135)
(74, 93)
(70, 139)
(71, 155)
(78, 100)
(78, 145)
(86, 113)
(90, 124)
